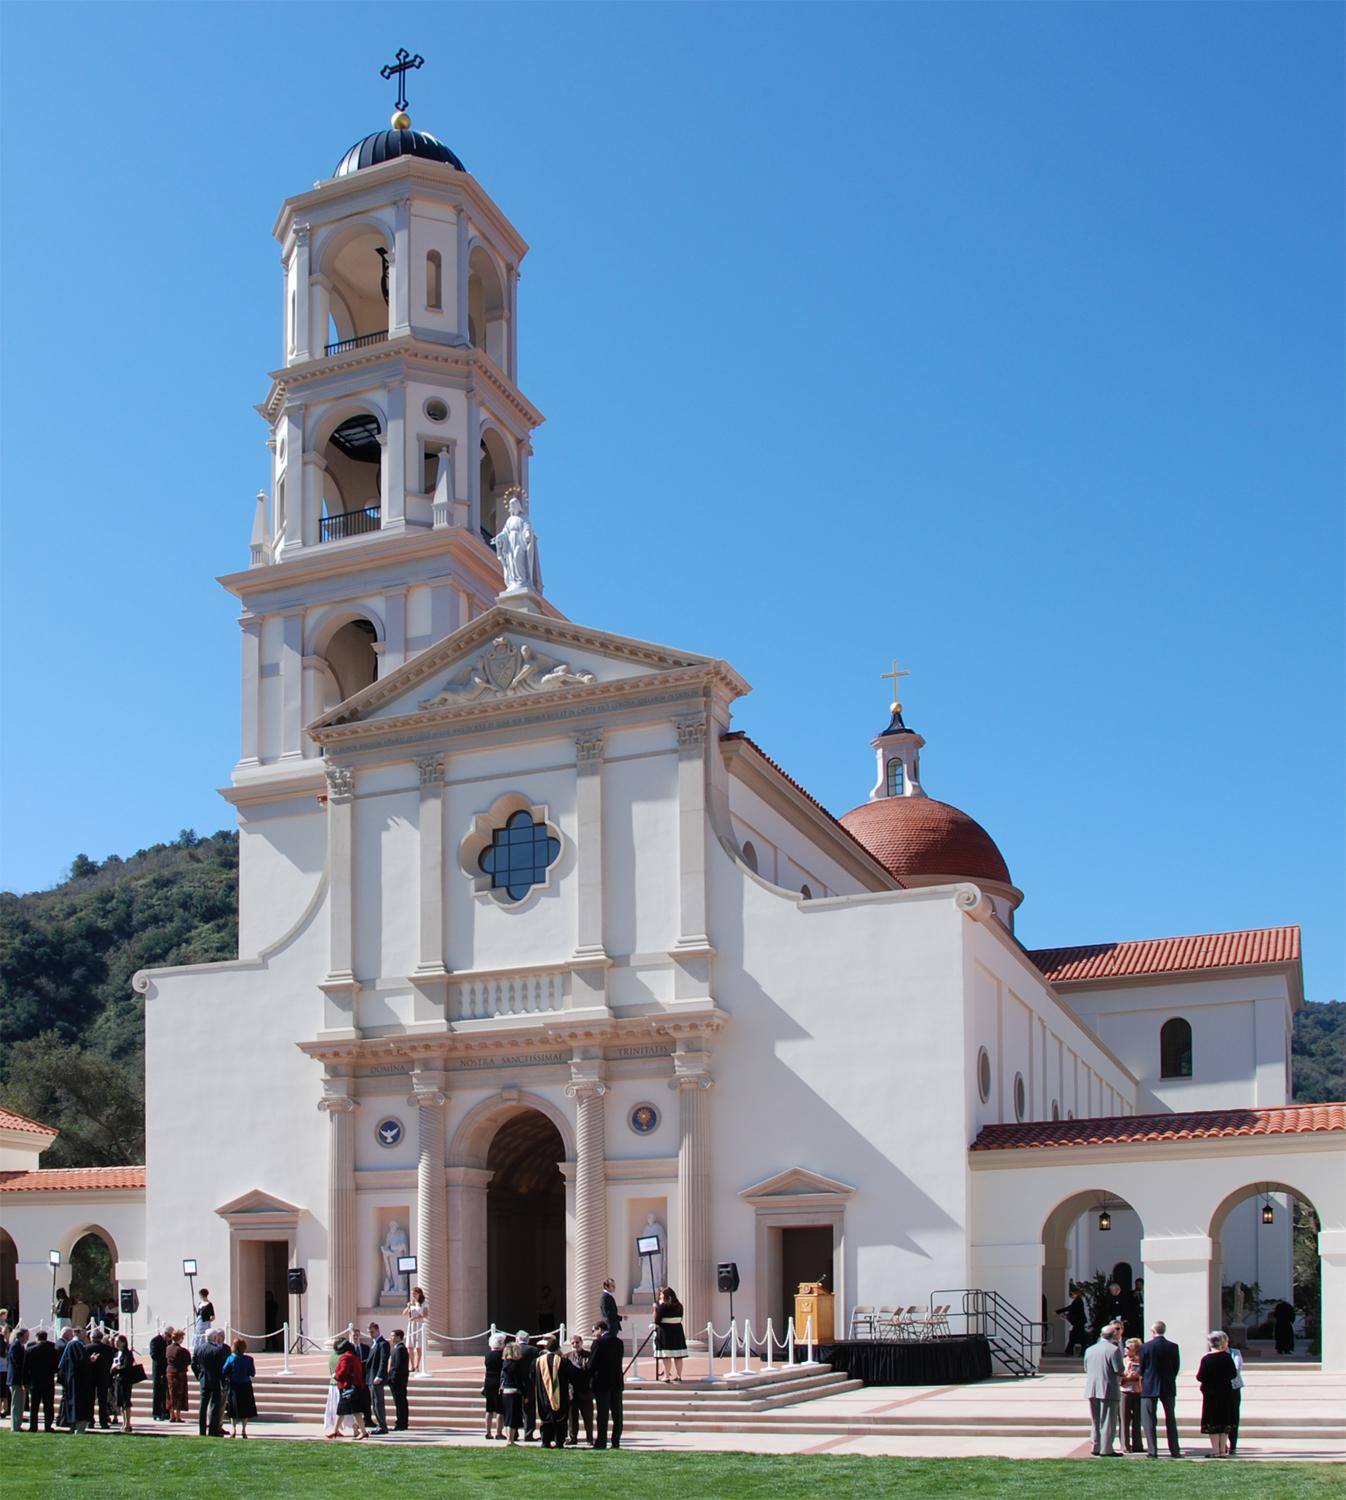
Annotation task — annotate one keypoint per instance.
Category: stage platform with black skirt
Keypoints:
(938, 1361)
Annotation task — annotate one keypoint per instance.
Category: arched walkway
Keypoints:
(9, 1274)
(1264, 1251)
(1091, 1239)
(91, 1267)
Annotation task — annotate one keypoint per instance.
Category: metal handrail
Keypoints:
(349, 523)
(358, 342)
(1000, 1322)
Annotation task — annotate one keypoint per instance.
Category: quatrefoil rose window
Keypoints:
(511, 850)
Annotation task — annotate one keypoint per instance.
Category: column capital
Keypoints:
(340, 783)
(301, 233)
(338, 1104)
(585, 1089)
(586, 1078)
(431, 768)
(588, 749)
(691, 734)
(427, 1089)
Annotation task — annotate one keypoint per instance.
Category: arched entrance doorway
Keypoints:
(1090, 1241)
(525, 1224)
(1264, 1254)
(92, 1272)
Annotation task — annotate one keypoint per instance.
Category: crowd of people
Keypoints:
(1126, 1380)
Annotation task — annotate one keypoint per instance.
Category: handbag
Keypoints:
(136, 1374)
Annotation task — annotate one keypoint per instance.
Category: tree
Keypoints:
(97, 1105)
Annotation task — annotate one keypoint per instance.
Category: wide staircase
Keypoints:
(454, 1404)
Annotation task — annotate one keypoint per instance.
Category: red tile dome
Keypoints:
(918, 840)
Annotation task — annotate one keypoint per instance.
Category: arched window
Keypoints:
(895, 769)
(984, 1074)
(750, 855)
(1175, 1049)
(434, 281)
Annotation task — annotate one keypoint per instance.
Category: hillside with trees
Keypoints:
(73, 1029)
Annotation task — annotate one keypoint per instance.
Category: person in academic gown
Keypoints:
(77, 1379)
(159, 1373)
(1077, 1319)
(551, 1391)
(607, 1307)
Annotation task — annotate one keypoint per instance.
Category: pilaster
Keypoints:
(692, 1082)
(291, 684)
(340, 982)
(252, 682)
(589, 936)
(340, 1105)
(302, 312)
(466, 1193)
(430, 977)
(692, 949)
(400, 271)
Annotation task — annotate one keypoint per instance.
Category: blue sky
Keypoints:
(1003, 338)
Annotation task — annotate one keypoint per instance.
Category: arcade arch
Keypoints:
(90, 1265)
(1264, 1245)
(487, 307)
(1094, 1232)
(498, 472)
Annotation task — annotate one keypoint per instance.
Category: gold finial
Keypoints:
(895, 675)
(401, 120)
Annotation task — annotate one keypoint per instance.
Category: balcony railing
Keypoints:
(349, 523)
(358, 342)
(510, 995)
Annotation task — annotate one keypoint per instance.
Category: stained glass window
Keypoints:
(518, 855)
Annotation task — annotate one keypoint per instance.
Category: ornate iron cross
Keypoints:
(405, 62)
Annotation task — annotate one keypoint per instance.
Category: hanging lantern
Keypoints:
(1268, 1211)
(1105, 1219)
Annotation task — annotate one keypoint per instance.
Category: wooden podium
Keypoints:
(814, 1302)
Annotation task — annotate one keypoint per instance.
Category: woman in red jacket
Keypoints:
(349, 1378)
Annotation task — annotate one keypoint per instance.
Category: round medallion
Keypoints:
(388, 1132)
(643, 1119)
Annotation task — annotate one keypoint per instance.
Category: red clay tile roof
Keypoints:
(10, 1121)
(72, 1179)
(1194, 1125)
(1209, 950)
(918, 837)
(738, 734)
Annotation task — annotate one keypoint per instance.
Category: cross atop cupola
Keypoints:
(898, 749)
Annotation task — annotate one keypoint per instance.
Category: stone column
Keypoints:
(319, 314)
(692, 1082)
(310, 511)
(343, 1267)
(400, 270)
(432, 1208)
(591, 1190)
(460, 266)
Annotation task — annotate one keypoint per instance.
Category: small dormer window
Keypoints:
(896, 783)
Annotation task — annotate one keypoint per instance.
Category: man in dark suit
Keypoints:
(14, 1374)
(208, 1367)
(607, 1307)
(528, 1353)
(159, 1369)
(100, 1364)
(605, 1373)
(1159, 1382)
(399, 1369)
(39, 1369)
(375, 1361)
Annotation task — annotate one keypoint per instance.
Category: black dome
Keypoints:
(386, 145)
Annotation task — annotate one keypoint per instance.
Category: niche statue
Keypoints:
(395, 1243)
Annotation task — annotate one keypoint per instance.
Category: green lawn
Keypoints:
(151, 1468)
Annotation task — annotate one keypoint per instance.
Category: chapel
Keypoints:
(538, 953)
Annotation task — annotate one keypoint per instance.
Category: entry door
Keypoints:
(805, 1255)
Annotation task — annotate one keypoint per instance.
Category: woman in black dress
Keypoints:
(1215, 1375)
(490, 1387)
(124, 1380)
(1283, 1320)
(670, 1342)
(515, 1370)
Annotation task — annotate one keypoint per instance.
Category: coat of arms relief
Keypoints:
(508, 671)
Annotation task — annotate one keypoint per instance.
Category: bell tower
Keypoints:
(397, 431)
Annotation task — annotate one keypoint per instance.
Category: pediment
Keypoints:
(795, 1183)
(510, 660)
(257, 1204)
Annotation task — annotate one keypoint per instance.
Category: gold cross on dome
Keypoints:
(895, 675)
